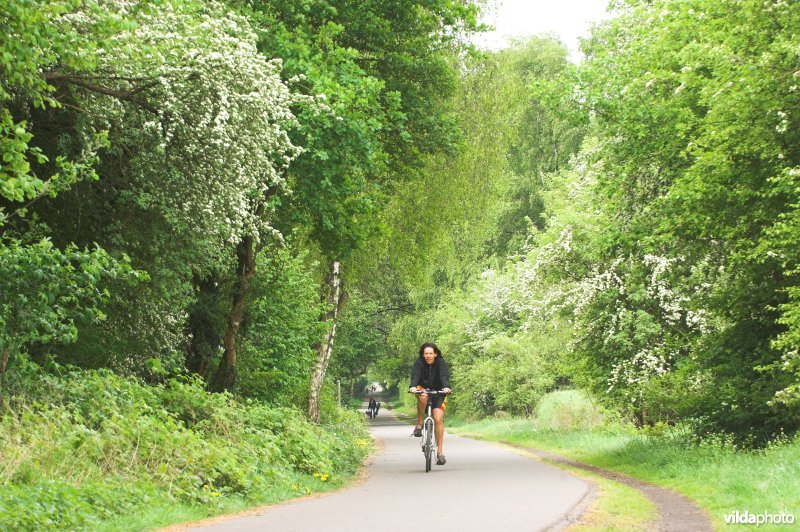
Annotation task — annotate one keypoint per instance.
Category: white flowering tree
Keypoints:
(197, 120)
(204, 111)
(696, 101)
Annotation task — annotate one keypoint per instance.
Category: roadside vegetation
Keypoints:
(217, 216)
(716, 474)
(87, 448)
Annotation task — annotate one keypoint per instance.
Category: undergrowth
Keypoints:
(90, 446)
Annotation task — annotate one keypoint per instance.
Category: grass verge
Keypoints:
(162, 515)
(721, 479)
(615, 506)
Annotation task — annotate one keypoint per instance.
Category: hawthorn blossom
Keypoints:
(218, 142)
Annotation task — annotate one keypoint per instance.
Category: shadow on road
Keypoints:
(385, 419)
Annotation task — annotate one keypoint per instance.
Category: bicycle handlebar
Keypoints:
(429, 392)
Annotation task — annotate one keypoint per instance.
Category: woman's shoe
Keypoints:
(440, 460)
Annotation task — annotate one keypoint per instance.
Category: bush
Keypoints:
(58, 505)
(91, 445)
(568, 410)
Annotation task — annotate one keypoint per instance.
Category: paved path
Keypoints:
(482, 488)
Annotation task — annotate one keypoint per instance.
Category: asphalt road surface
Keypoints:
(483, 487)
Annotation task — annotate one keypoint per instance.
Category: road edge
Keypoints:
(358, 478)
(676, 512)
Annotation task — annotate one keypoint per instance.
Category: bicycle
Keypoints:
(428, 442)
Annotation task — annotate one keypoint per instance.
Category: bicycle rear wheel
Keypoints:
(428, 446)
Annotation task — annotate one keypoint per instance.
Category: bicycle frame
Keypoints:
(428, 442)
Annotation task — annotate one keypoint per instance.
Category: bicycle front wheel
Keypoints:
(428, 446)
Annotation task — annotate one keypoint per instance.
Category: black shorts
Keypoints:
(438, 401)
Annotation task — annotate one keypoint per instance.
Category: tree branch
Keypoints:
(128, 96)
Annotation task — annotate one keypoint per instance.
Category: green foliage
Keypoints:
(362, 339)
(45, 36)
(65, 437)
(545, 130)
(42, 38)
(277, 350)
(655, 267)
(17, 184)
(384, 72)
(568, 410)
(518, 125)
(502, 375)
(196, 138)
(56, 505)
(46, 291)
(698, 148)
(410, 44)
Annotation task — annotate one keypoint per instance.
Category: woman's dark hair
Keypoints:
(429, 344)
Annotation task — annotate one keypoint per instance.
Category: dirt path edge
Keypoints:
(676, 512)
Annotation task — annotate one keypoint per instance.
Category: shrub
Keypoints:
(66, 439)
(568, 410)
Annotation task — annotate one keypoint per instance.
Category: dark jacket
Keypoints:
(434, 377)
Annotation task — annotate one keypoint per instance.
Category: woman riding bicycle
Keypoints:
(430, 372)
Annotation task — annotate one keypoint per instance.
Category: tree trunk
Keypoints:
(225, 377)
(3, 363)
(325, 348)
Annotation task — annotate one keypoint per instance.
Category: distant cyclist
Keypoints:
(430, 372)
(372, 408)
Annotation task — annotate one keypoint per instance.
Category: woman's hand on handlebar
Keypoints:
(423, 392)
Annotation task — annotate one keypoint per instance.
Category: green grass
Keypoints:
(719, 478)
(165, 514)
(403, 404)
(616, 506)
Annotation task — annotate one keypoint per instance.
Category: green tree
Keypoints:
(197, 126)
(281, 327)
(45, 291)
(453, 227)
(383, 70)
(39, 38)
(693, 103)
